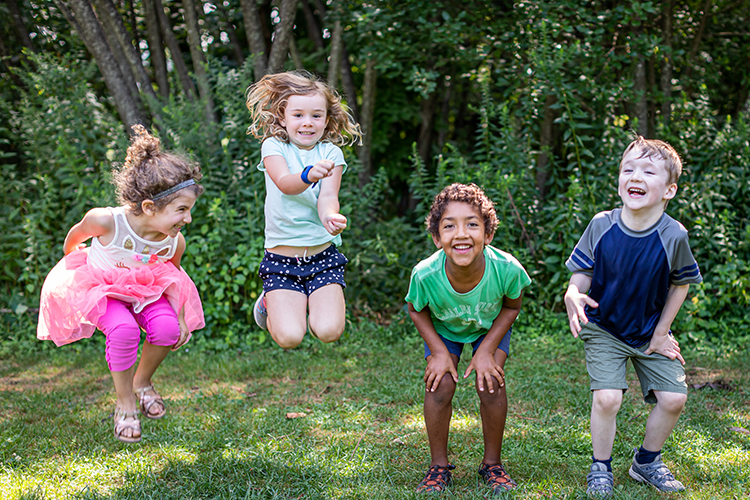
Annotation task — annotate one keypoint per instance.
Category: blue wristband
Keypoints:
(304, 174)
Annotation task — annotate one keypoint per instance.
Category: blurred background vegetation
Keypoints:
(532, 100)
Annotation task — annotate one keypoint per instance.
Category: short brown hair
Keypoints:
(466, 193)
(659, 149)
(148, 171)
(267, 100)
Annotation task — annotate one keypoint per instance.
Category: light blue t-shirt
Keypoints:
(293, 219)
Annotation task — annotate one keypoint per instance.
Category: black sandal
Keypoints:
(496, 477)
(437, 479)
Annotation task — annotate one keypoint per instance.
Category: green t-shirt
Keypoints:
(464, 317)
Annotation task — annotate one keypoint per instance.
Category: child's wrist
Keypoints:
(304, 174)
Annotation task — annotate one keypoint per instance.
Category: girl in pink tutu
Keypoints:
(130, 278)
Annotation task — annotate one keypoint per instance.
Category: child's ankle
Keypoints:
(607, 463)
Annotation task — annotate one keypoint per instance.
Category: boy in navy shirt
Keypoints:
(636, 265)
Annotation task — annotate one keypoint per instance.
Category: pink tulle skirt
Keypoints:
(74, 295)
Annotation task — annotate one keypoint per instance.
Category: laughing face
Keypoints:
(461, 235)
(644, 185)
(305, 119)
(176, 215)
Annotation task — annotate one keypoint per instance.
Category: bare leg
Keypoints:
(604, 410)
(493, 408)
(438, 408)
(125, 398)
(663, 419)
(328, 312)
(287, 317)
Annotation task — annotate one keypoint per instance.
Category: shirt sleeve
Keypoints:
(582, 258)
(516, 280)
(416, 295)
(335, 154)
(270, 147)
(684, 269)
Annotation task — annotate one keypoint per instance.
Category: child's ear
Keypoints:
(488, 238)
(148, 207)
(436, 240)
(671, 191)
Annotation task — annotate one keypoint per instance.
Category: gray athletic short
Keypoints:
(606, 358)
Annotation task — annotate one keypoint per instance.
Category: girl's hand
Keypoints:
(334, 223)
(437, 366)
(320, 170)
(487, 368)
(184, 332)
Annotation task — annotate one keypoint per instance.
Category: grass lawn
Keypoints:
(345, 421)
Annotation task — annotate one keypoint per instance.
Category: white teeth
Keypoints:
(462, 247)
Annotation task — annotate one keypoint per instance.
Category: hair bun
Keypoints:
(143, 147)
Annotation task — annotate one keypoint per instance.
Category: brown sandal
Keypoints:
(146, 401)
(125, 420)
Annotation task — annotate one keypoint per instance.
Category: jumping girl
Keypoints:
(302, 123)
(130, 278)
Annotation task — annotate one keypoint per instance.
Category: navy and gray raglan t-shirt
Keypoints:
(631, 272)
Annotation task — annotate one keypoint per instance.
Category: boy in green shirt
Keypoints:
(465, 293)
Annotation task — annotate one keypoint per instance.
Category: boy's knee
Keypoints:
(607, 401)
(443, 395)
(497, 396)
(672, 402)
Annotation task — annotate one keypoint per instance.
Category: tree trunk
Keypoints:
(175, 52)
(156, 48)
(545, 146)
(667, 64)
(347, 79)
(334, 63)
(697, 41)
(93, 37)
(651, 102)
(133, 25)
(199, 58)
(124, 44)
(67, 15)
(254, 33)
(427, 113)
(368, 111)
(281, 36)
(18, 25)
(313, 30)
(226, 23)
(640, 105)
(295, 53)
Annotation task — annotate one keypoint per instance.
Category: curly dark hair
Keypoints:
(466, 193)
(148, 171)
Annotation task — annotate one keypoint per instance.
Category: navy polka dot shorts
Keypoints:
(302, 274)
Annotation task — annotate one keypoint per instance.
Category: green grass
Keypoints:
(226, 434)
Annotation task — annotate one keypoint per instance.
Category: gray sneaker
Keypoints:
(656, 474)
(259, 311)
(601, 482)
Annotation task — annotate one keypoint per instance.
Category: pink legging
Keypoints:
(122, 326)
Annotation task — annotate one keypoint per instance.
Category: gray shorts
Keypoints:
(606, 358)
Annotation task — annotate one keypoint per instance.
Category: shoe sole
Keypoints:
(260, 319)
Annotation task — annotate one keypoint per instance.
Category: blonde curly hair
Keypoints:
(267, 100)
(148, 171)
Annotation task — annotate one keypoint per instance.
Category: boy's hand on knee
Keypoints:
(487, 369)
(437, 366)
(666, 345)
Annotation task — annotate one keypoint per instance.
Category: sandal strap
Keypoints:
(497, 477)
(148, 400)
(437, 479)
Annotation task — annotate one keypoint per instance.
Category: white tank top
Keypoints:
(128, 250)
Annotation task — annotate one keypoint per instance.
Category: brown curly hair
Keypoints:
(148, 171)
(466, 193)
(267, 100)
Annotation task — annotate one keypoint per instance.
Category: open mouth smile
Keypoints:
(636, 191)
